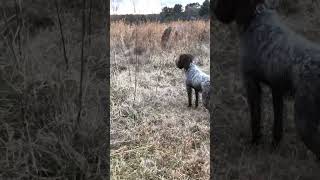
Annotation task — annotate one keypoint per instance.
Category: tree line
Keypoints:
(191, 11)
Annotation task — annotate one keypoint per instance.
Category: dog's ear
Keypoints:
(184, 61)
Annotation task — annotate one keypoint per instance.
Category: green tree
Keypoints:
(167, 14)
(204, 9)
(177, 9)
(192, 10)
(192, 5)
(166, 11)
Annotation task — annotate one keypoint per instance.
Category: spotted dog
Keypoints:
(194, 76)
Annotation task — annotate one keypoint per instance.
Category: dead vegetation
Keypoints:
(154, 135)
(40, 137)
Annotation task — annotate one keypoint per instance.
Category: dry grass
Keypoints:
(153, 133)
(234, 157)
(39, 135)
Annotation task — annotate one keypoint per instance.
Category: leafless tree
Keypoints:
(61, 34)
(82, 59)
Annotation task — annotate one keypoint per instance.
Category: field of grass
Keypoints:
(40, 134)
(234, 157)
(154, 135)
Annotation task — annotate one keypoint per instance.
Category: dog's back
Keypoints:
(194, 77)
(285, 58)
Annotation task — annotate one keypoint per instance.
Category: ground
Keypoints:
(154, 135)
(40, 134)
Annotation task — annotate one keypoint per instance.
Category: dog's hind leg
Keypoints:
(254, 101)
(307, 115)
(277, 99)
(189, 91)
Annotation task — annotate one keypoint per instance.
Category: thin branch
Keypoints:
(136, 66)
(8, 40)
(82, 59)
(134, 6)
(62, 35)
(136, 59)
(19, 24)
(8, 19)
(90, 21)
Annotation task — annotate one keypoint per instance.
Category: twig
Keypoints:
(17, 35)
(62, 35)
(129, 71)
(90, 20)
(135, 70)
(115, 61)
(8, 19)
(24, 31)
(19, 23)
(9, 42)
(30, 146)
(136, 58)
(82, 59)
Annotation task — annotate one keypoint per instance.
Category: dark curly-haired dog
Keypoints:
(289, 64)
(194, 76)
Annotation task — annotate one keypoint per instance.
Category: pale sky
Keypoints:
(145, 6)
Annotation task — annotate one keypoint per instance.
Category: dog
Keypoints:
(272, 54)
(194, 76)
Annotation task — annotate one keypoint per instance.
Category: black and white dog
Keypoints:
(195, 78)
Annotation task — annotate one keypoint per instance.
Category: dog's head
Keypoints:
(241, 11)
(184, 61)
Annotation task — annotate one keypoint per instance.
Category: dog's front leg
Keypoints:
(197, 97)
(254, 101)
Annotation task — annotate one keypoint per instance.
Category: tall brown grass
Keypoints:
(153, 133)
(39, 135)
(149, 35)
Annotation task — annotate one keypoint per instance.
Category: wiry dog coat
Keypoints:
(194, 76)
(289, 64)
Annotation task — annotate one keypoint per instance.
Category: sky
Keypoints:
(145, 6)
